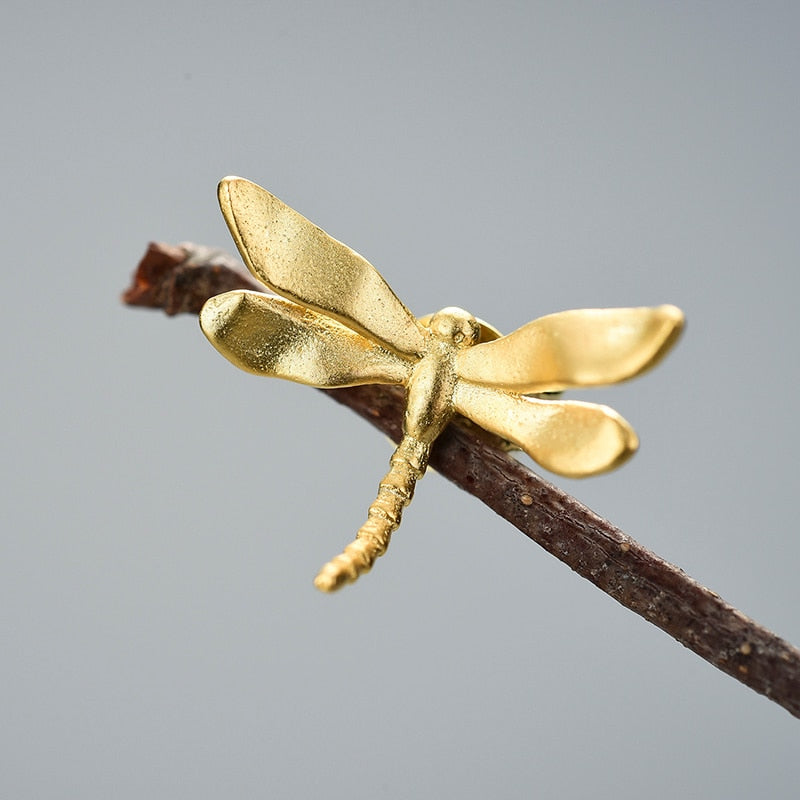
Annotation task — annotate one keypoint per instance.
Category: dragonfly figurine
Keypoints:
(337, 323)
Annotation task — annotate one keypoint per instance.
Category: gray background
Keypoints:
(163, 514)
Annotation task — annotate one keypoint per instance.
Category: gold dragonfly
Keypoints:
(337, 323)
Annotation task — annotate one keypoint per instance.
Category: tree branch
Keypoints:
(180, 279)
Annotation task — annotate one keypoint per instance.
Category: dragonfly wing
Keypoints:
(274, 337)
(587, 347)
(567, 437)
(300, 261)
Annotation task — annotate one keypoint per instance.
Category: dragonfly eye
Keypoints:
(456, 326)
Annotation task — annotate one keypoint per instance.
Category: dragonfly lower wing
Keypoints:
(567, 437)
(271, 336)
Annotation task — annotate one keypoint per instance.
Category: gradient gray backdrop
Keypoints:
(163, 514)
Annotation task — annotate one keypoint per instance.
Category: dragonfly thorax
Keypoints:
(455, 326)
(429, 399)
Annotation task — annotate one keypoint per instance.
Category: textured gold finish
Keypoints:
(341, 325)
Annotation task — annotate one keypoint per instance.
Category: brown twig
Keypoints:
(182, 278)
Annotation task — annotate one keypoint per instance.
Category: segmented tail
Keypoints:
(395, 492)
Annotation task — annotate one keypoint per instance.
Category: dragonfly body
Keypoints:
(429, 407)
(337, 323)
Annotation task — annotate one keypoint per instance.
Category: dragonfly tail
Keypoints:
(395, 492)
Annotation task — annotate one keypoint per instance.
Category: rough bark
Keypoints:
(181, 278)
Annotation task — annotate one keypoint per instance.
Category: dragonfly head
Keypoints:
(455, 326)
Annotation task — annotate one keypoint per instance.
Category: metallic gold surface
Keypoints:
(341, 325)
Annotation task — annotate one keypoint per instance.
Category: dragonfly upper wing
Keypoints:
(567, 437)
(300, 261)
(274, 337)
(587, 347)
